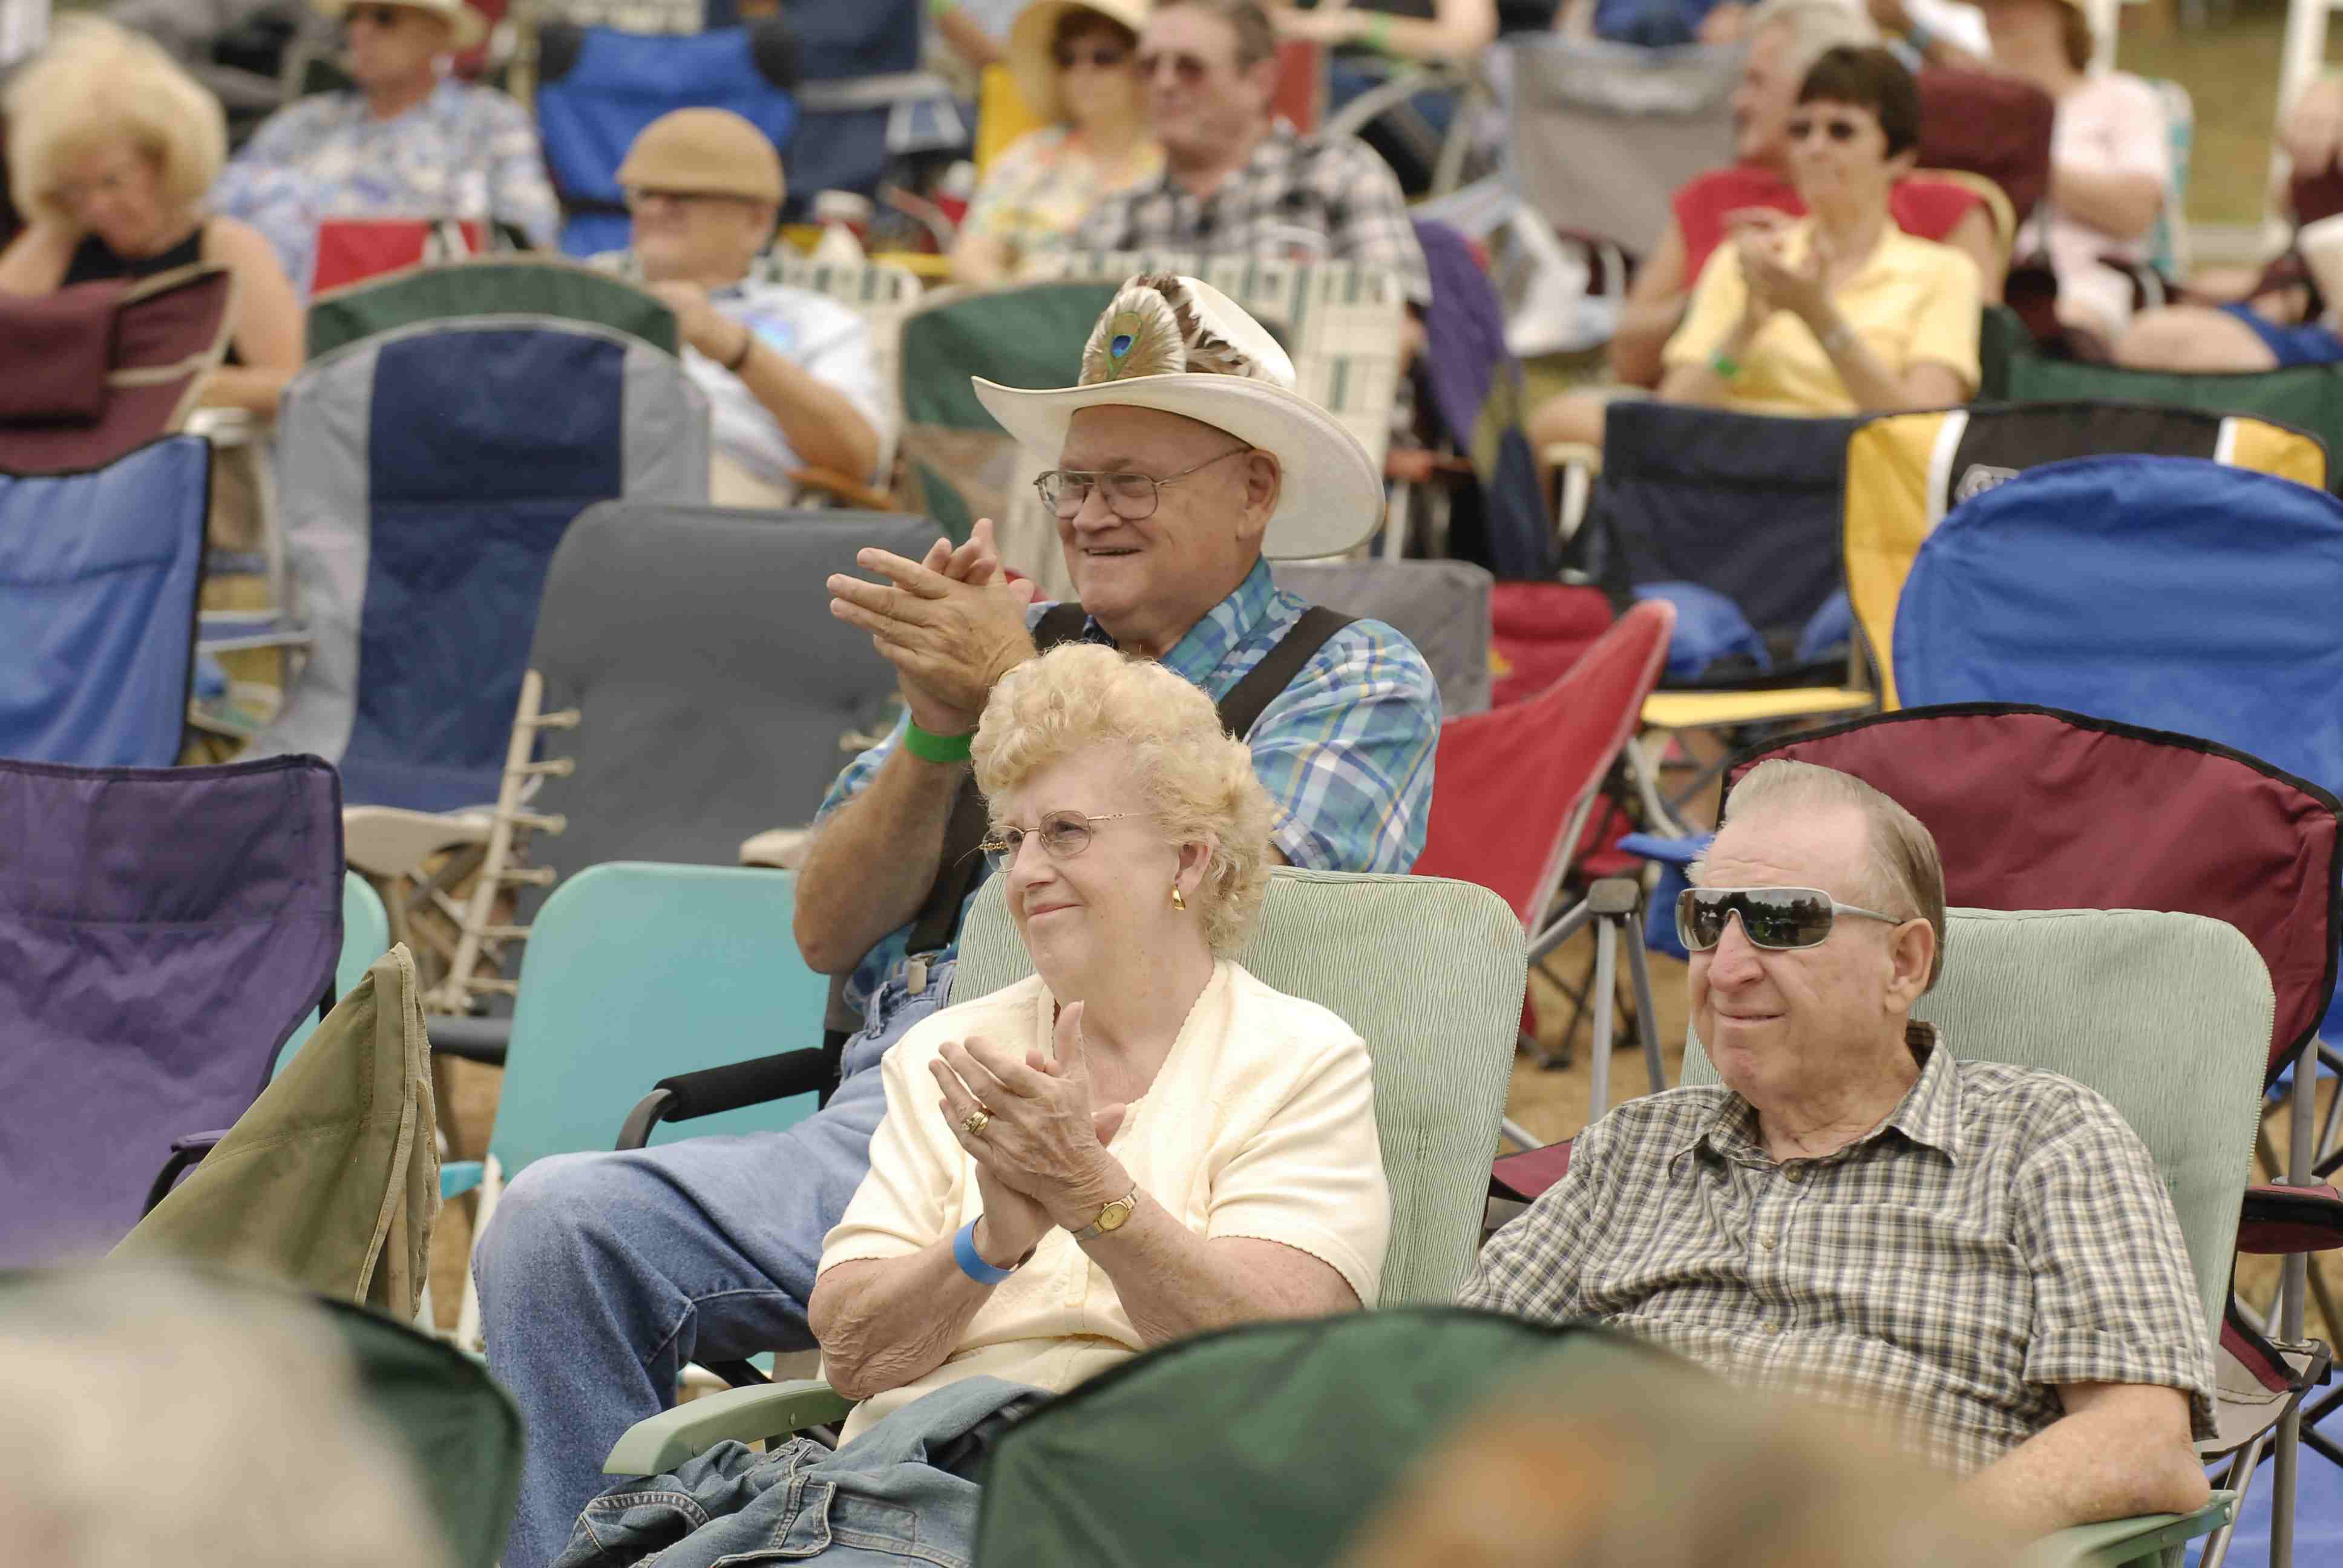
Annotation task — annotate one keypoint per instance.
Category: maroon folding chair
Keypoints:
(167, 333)
(1517, 786)
(2037, 809)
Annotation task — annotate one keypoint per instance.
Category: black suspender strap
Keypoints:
(1241, 708)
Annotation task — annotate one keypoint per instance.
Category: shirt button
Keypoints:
(1794, 1171)
(1766, 1243)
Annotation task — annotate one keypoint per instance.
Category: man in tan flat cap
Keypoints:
(790, 376)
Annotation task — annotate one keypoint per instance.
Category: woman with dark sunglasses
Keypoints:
(1840, 312)
(1073, 64)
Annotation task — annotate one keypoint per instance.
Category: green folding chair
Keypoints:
(564, 289)
(1429, 971)
(366, 937)
(631, 964)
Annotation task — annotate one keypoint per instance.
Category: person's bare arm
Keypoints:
(980, 259)
(1894, 19)
(35, 260)
(2311, 132)
(268, 330)
(886, 1321)
(1457, 29)
(1656, 304)
(821, 423)
(1975, 237)
(970, 41)
(2121, 203)
(869, 866)
(2120, 1450)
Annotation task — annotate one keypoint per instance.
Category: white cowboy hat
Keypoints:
(470, 26)
(1182, 346)
(1033, 43)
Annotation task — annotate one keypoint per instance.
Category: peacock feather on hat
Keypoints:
(1156, 326)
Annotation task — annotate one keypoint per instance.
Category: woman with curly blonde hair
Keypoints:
(1139, 1143)
(111, 149)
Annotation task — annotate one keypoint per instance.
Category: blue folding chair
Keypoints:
(98, 574)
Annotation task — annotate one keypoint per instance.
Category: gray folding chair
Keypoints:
(1442, 607)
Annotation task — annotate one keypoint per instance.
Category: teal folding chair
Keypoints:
(366, 937)
(630, 962)
(1429, 971)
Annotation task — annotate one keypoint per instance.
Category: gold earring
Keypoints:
(1177, 901)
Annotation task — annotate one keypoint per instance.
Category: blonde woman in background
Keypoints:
(1076, 66)
(111, 147)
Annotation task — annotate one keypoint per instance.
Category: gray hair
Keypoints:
(1816, 27)
(1907, 876)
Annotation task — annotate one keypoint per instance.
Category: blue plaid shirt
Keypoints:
(1345, 751)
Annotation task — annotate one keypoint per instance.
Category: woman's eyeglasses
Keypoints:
(1133, 498)
(1777, 919)
(1064, 834)
(1100, 58)
(1805, 126)
(1190, 69)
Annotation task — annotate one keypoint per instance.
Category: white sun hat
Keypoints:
(1180, 346)
(470, 26)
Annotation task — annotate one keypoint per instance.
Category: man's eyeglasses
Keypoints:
(1838, 130)
(1187, 69)
(1064, 834)
(1100, 58)
(1133, 498)
(1777, 919)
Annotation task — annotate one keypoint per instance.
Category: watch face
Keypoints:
(1112, 1216)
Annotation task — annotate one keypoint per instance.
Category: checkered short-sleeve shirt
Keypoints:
(2001, 1233)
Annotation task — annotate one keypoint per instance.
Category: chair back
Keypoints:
(366, 937)
(631, 964)
(1517, 783)
(1639, 123)
(863, 97)
(451, 291)
(1441, 606)
(2168, 241)
(2166, 592)
(162, 932)
(1537, 631)
(170, 331)
(2165, 1015)
(2035, 809)
(426, 476)
(1996, 127)
(352, 250)
(99, 578)
(1905, 471)
(598, 88)
(1430, 973)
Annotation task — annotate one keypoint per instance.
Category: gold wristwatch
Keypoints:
(1111, 1218)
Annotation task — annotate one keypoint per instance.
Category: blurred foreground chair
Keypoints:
(450, 291)
(89, 388)
(99, 578)
(1429, 972)
(162, 933)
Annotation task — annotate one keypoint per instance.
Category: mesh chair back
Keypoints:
(2165, 1015)
(98, 576)
(1430, 975)
(560, 290)
(697, 959)
(1517, 783)
(1441, 606)
(598, 88)
(170, 331)
(1905, 471)
(426, 476)
(161, 933)
(2166, 592)
(2035, 809)
(1639, 123)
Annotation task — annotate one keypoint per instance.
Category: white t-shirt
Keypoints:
(823, 337)
(2114, 123)
(1261, 1123)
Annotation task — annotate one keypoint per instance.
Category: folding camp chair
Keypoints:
(169, 929)
(1905, 471)
(1429, 972)
(1441, 606)
(353, 250)
(1517, 787)
(426, 475)
(867, 102)
(1992, 126)
(533, 286)
(98, 576)
(169, 332)
(685, 690)
(366, 937)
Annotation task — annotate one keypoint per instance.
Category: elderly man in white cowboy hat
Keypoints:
(407, 139)
(1185, 455)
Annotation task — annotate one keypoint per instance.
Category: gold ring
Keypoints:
(976, 1122)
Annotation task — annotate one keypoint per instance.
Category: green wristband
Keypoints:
(1725, 365)
(927, 745)
(1378, 32)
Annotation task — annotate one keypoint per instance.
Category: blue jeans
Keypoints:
(602, 1275)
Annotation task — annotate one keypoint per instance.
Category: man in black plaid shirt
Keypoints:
(1984, 1253)
(1237, 181)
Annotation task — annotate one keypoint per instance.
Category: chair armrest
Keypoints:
(473, 1038)
(2121, 1541)
(185, 1154)
(712, 1089)
(658, 1445)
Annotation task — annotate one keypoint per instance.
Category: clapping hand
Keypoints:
(1041, 1136)
(952, 624)
(1775, 283)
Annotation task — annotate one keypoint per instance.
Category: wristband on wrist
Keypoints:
(1377, 36)
(971, 1261)
(1725, 365)
(929, 746)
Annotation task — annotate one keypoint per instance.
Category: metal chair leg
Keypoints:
(1606, 960)
(1647, 1020)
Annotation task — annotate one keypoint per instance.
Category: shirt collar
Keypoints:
(1225, 625)
(1928, 1114)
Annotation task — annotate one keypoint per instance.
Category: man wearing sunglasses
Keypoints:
(1237, 179)
(1185, 458)
(1983, 1254)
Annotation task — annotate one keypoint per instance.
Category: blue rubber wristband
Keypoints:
(971, 1262)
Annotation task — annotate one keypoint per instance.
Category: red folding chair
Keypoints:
(1516, 788)
(2036, 809)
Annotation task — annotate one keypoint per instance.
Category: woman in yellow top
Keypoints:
(1840, 312)
(1075, 63)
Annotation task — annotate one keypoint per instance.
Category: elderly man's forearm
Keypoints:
(884, 1322)
(870, 866)
(2097, 1464)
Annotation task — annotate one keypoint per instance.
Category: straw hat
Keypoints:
(1180, 346)
(1033, 46)
(469, 26)
(704, 152)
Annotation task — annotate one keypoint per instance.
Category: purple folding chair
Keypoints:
(162, 930)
